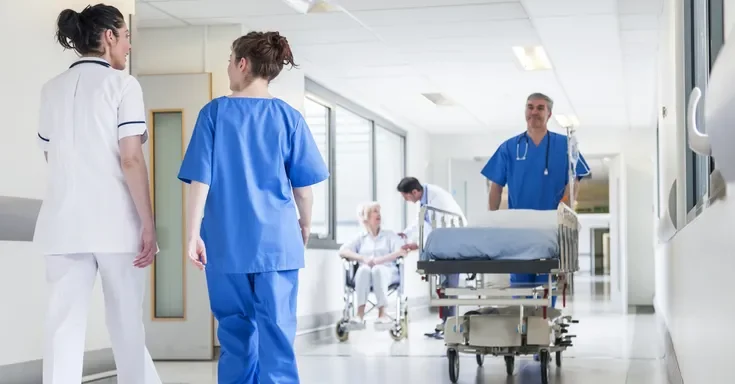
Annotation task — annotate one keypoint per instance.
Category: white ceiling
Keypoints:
(603, 54)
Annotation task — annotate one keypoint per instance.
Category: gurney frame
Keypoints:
(525, 314)
(510, 324)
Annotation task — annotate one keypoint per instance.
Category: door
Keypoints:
(178, 320)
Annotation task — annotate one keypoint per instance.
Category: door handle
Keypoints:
(698, 141)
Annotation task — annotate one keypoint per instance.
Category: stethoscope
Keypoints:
(524, 136)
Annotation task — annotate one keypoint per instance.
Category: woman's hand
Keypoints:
(197, 252)
(149, 247)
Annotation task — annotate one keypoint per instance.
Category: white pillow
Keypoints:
(516, 218)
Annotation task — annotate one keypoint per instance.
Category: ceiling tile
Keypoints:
(560, 8)
(362, 5)
(223, 8)
(435, 15)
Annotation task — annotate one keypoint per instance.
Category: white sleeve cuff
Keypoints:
(133, 128)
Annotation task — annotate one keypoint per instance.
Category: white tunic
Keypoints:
(87, 207)
(371, 247)
(436, 197)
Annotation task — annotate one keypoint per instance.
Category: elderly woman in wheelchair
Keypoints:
(373, 262)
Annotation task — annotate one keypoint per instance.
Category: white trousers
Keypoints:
(70, 279)
(379, 277)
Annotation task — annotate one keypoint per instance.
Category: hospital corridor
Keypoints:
(367, 191)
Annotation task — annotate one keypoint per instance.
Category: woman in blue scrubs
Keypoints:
(251, 162)
(535, 167)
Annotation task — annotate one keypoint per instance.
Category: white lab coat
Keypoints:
(88, 222)
(436, 197)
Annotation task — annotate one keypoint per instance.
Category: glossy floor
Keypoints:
(611, 348)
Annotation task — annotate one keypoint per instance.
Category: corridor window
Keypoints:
(354, 175)
(389, 169)
(366, 158)
(704, 31)
(317, 118)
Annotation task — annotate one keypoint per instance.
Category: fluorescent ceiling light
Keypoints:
(311, 6)
(532, 58)
(567, 120)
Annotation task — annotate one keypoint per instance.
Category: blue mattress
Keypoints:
(521, 244)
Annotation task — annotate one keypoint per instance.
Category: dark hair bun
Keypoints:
(82, 32)
(268, 53)
(69, 29)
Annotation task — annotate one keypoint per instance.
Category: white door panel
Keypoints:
(178, 319)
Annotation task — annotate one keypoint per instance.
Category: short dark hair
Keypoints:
(82, 31)
(267, 52)
(409, 184)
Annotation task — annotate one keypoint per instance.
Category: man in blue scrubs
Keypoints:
(535, 167)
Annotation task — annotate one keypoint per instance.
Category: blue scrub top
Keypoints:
(519, 164)
(251, 152)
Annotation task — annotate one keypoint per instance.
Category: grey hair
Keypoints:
(363, 210)
(541, 96)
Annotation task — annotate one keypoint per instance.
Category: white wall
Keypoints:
(23, 172)
(694, 268)
(588, 222)
(202, 49)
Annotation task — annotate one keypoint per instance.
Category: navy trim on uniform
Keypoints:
(102, 63)
(43, 138)
(131, 122)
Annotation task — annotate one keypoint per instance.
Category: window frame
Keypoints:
(332, 100)
(703, 39)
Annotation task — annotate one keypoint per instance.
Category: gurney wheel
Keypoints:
(510, 365)
(453, 358)
(558, 359)
(544, 357)
(480, 360)
(342, 334)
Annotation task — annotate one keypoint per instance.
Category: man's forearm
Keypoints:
(198, 193)
(494, 197)
(304, 198)
(136, 177)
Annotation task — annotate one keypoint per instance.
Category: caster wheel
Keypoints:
(401, 331)
(453, 357)
(480, 360)
(342, 334)
(558, 359)
(544, 358)
(510, 365)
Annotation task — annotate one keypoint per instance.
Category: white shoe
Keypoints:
(383, 320)
(357, 323)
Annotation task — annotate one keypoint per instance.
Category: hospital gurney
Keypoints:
(510, 321)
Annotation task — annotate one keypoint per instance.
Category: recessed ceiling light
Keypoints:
(567, 121)
(312, 6)
(532, 58)
(438, 99)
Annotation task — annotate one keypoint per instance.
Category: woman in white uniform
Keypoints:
(376, 250)
(96, 213)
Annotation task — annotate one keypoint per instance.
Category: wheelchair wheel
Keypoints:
(342, 334)
(453, 357)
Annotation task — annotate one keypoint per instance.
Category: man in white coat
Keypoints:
(434, 196)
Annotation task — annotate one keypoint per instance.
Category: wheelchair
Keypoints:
(398, 329)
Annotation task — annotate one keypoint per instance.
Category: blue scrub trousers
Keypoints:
(450, 281)
(523, 280)
(257, 326)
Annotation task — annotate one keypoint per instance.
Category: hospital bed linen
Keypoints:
(474, 243)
